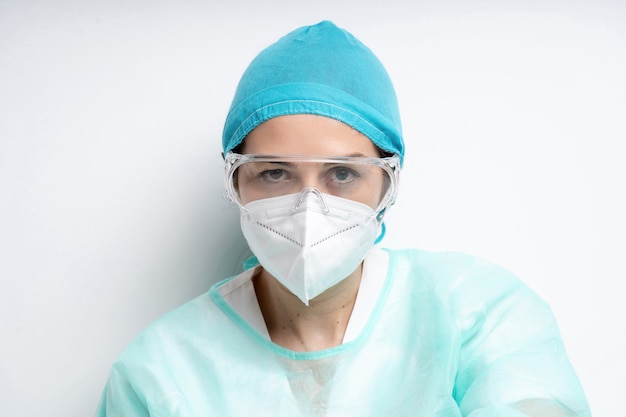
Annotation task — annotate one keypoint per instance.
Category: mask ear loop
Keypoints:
(383, 230)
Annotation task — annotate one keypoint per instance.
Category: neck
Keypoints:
(298, 327)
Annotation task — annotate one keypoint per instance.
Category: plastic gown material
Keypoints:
(450, 336)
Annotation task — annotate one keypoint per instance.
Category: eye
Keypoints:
(343, 175)
(273, 175)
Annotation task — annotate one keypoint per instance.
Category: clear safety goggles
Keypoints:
(371, 181)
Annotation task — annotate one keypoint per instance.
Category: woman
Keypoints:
(323, 322)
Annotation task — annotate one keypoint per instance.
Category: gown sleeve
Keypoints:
(512, 360)
(119, 398)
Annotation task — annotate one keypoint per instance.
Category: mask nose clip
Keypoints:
(304, 194)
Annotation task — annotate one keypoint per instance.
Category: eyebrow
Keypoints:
(350, 155)
(276, 162)
(295, 163)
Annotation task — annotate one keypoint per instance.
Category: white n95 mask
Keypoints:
(309, 241)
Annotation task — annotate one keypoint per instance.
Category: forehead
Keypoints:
(306, 134)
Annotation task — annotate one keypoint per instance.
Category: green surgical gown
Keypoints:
(450, 336)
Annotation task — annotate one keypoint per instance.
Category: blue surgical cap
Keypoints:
(321, 70)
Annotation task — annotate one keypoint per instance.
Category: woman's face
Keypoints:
(312, 135)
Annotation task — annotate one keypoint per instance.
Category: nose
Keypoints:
(311, 193)
(309, 176)
(310, 181)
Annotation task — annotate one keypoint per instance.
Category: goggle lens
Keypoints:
(370, 181)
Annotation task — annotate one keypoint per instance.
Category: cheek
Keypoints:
(381, 187)
(246, 191)
(373, 195)
(248, 194)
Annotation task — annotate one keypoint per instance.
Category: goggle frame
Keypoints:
(389, 164)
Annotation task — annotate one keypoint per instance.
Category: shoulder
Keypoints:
(450, 268)
(461, 281)
(149, 371)
(176, 331)
(173, 324)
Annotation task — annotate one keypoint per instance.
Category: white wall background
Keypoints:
(111, 204)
